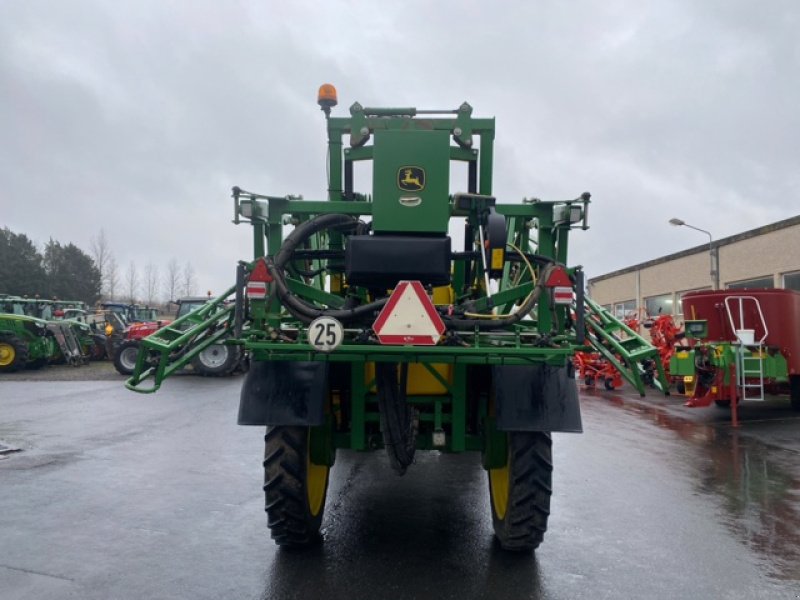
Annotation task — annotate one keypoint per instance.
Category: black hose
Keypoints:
(300, 309)
(307, 312)
(397, 417)
(524, 310)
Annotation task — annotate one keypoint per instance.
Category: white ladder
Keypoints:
(749, 359)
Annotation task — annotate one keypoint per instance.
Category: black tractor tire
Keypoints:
(37, 363)
(588, 381)
(680, 387)
(217, 360)
(13, 354)
(98, 350)
(794, 391)
(125, 357)
(609, 384)
(294, 488)
(520, 491)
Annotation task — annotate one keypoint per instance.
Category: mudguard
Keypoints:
(536, 398)
(284, 393)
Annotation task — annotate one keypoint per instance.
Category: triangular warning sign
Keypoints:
(409, 318)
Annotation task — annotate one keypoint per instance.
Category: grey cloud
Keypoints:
(114, 113)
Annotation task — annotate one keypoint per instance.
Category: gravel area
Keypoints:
(94, 371)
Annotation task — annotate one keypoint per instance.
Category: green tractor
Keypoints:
(25, 343)
(369, 327)
(66, 337)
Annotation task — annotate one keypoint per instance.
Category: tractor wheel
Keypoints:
(216, 360)
(98, 350)
(794, 391)
(125, 357)
(680, 387)
(37, 363)
(588, 381)
(13, 354)
(520, 491)
(294, 487)
(609, 384)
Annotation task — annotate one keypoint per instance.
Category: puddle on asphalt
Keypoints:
(6, 449)
(757, 486)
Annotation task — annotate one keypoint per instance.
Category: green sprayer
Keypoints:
(368, 326)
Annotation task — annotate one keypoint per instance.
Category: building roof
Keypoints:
(790, 222)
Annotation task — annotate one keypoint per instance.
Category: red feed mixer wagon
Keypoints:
(745, 343)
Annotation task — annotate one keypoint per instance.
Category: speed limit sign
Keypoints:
(325, 334)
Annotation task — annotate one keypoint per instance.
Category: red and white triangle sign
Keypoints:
(409, 318)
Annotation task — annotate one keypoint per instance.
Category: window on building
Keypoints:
(791, 281)
(658, 305)
(679, 299)
(623, 310)
(761, 282)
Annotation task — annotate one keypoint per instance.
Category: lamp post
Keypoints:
(711, 250)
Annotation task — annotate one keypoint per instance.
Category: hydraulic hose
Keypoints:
(307, 312)
(300, 309)
(527, 306)
(396, 415)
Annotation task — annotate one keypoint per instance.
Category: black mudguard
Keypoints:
(536, 398)
(284, 393)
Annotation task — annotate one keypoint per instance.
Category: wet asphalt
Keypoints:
(119, 495)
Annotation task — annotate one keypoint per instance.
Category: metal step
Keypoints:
(173, 347)
(749, 368)
(750, 373)
(622, 347)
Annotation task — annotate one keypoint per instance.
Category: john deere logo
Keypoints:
(411, 179)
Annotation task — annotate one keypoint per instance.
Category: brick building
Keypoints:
(768, 256)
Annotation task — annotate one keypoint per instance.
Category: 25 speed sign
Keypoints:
(325, 334)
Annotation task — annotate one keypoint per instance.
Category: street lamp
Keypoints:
(712, 252)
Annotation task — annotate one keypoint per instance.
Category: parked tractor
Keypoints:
(25, 343)
(368, 328)
(22, 320)
(743, 344)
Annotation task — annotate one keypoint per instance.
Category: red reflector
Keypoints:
(260, 273)
(409, 318)
(558, 277)
(562, 295)
(257, 289)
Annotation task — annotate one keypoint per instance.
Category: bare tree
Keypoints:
(112, 280)
(151, 282)
(172, 279)
(102, 256)
(131, 282)
(188, 282)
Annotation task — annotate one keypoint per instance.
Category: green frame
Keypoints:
(549, 337)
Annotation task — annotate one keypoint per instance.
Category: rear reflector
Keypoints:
(260, 272)
(562, 295)
(257, 290)
(558, 277)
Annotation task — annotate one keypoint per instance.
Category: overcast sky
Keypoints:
(139, 116)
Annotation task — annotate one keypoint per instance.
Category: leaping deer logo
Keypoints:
(411, 179)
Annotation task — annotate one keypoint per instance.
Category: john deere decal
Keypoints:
(411, 179)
